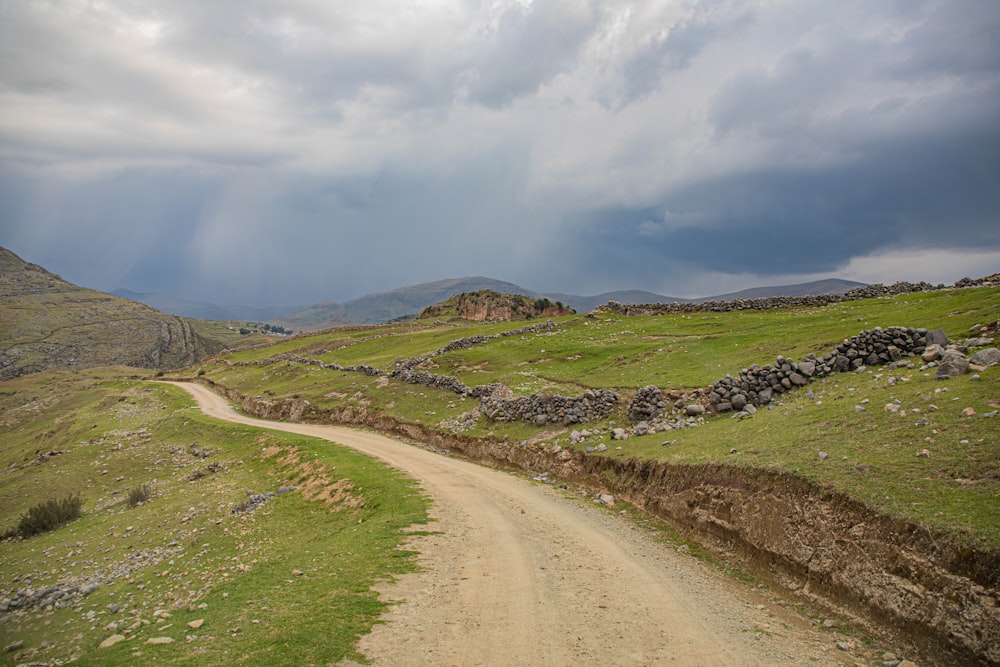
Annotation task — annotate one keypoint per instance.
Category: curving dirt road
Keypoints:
(520, 575)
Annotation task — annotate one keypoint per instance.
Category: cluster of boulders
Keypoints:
(542, 409)
(768, 303)
(952, 360)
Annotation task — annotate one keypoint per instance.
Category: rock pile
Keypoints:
(647, 403)
(544, 409)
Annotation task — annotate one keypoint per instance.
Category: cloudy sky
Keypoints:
(290, 152)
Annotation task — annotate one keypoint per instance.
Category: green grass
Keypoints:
(200, 561)
(871, 455)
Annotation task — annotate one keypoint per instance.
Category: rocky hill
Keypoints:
(492, 306)
(48, 323)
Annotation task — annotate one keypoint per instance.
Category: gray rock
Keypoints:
(953, 364)
(694, 409)
(739, 401)
(937, 336)
(988, 357)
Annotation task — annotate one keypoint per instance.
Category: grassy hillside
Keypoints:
(872, 455)
(47, 323)
(228, 588)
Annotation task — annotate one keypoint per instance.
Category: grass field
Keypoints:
(871, 455)
(252, 582)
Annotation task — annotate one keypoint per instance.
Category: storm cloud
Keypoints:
(291, 152)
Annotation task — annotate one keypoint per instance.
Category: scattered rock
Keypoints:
(16, 646)
(160, 640)
(111, 641)
(195, 624)
(607, 499)
(969, 412)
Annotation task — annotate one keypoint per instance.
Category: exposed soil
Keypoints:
(516, 573)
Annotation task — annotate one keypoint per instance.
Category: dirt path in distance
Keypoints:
(518, 574)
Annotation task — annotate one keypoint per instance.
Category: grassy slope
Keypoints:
(232, 572)
(872, 455)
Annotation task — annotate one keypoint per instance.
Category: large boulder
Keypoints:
(988, 357)
(953, 363)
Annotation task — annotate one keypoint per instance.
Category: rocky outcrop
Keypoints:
(491, 306)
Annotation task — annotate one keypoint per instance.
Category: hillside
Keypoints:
(47, 323)
(823, 480)
(490, 306)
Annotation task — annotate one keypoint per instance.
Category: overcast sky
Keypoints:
(290, 152)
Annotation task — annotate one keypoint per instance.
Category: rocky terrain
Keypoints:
(48, 323)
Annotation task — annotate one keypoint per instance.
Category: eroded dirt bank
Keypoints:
(897, 579)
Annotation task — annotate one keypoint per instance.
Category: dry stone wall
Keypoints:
(758, 385)
(768, 303)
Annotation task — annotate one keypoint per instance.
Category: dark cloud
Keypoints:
(527, 46)
(264, 152)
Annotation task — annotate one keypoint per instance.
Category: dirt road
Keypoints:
(520, 575)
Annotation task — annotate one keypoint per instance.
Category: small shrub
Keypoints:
(49, 515)
(140, 495)
(201, 371)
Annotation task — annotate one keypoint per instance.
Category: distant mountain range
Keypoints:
(409, 301)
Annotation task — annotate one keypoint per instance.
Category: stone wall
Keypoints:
(542, 409)
(768, 303)
(758, 385)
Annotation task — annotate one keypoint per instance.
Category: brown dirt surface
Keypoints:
(516, 573)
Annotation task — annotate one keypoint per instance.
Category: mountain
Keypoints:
(47, 323)
(399, 303)
(205, 311)
(829, 286)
